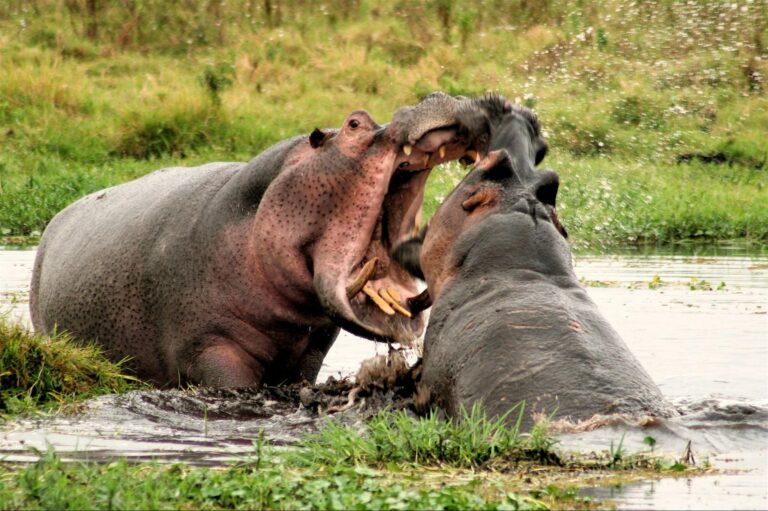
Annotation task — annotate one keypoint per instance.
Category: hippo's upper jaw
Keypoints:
(364, 289)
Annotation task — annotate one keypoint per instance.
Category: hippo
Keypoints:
(510, 322)
(238, 274)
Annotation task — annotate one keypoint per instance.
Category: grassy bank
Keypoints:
(656, 112)
(38, 373)
(396, 462)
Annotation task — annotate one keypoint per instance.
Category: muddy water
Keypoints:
(698, 323)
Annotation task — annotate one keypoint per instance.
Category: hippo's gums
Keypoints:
(234, 274)
(510, 321)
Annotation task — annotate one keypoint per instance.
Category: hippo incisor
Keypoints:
(235, 274)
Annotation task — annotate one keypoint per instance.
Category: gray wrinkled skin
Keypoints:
(510, 321)
(235, 274)
(515, 325)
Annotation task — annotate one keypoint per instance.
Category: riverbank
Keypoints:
(656, 125)
(708, 359)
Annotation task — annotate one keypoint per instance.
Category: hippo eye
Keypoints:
(354, 123)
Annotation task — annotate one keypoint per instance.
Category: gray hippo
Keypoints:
(510, 321)
(237, 274)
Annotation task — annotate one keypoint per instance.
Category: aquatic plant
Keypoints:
(473, 439)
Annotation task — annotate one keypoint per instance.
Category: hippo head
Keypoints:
(503, 182)
(494, 187)
(358, 190)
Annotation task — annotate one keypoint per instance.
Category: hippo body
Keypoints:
(510, 321)
(234, 274)
(515, 325)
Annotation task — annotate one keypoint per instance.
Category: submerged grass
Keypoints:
(41, 373)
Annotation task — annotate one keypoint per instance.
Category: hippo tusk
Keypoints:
(407, 148)
(378, 300)
(419, 302)
(442, 152)
(384, 293)
(362, 278)
(469, 157)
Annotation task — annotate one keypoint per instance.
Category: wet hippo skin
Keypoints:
(234, 274)
(510, 321)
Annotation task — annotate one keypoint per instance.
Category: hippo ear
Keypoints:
(485, 196)
(317, 138)
(541, 150)
(496, 166)
(547, 184)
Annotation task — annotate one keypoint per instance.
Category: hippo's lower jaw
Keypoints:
(372, 308)
(372, 298)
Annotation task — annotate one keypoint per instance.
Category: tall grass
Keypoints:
(90, 89)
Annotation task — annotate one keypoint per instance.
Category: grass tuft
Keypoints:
(39, 372)
(471, 441)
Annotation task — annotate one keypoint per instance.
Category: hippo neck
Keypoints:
(244, 192)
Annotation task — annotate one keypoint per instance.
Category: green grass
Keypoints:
(39, 373)
(397, 437)
(251, 484)
(392, 462)
(656, 125)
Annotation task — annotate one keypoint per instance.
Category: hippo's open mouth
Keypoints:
(379, 289)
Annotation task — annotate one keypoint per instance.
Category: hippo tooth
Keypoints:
(393, 293)
(426, 159)
(420, 302)
(393, 303)
(378, 300)
(442, 151)
(407, 148)
(362, 278)
(472, 154)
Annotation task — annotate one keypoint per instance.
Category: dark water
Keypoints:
(696, 318)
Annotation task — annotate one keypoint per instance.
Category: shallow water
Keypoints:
(707, 350)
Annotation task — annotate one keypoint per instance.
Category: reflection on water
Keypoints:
(731, 489)
(690, 249)
(697, 321)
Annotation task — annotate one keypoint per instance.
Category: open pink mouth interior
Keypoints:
(383, 296)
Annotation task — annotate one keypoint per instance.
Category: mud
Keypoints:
(209, 426)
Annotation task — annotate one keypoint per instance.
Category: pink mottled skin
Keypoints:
(234, 274)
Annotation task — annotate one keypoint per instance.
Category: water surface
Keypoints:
(696, 320)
